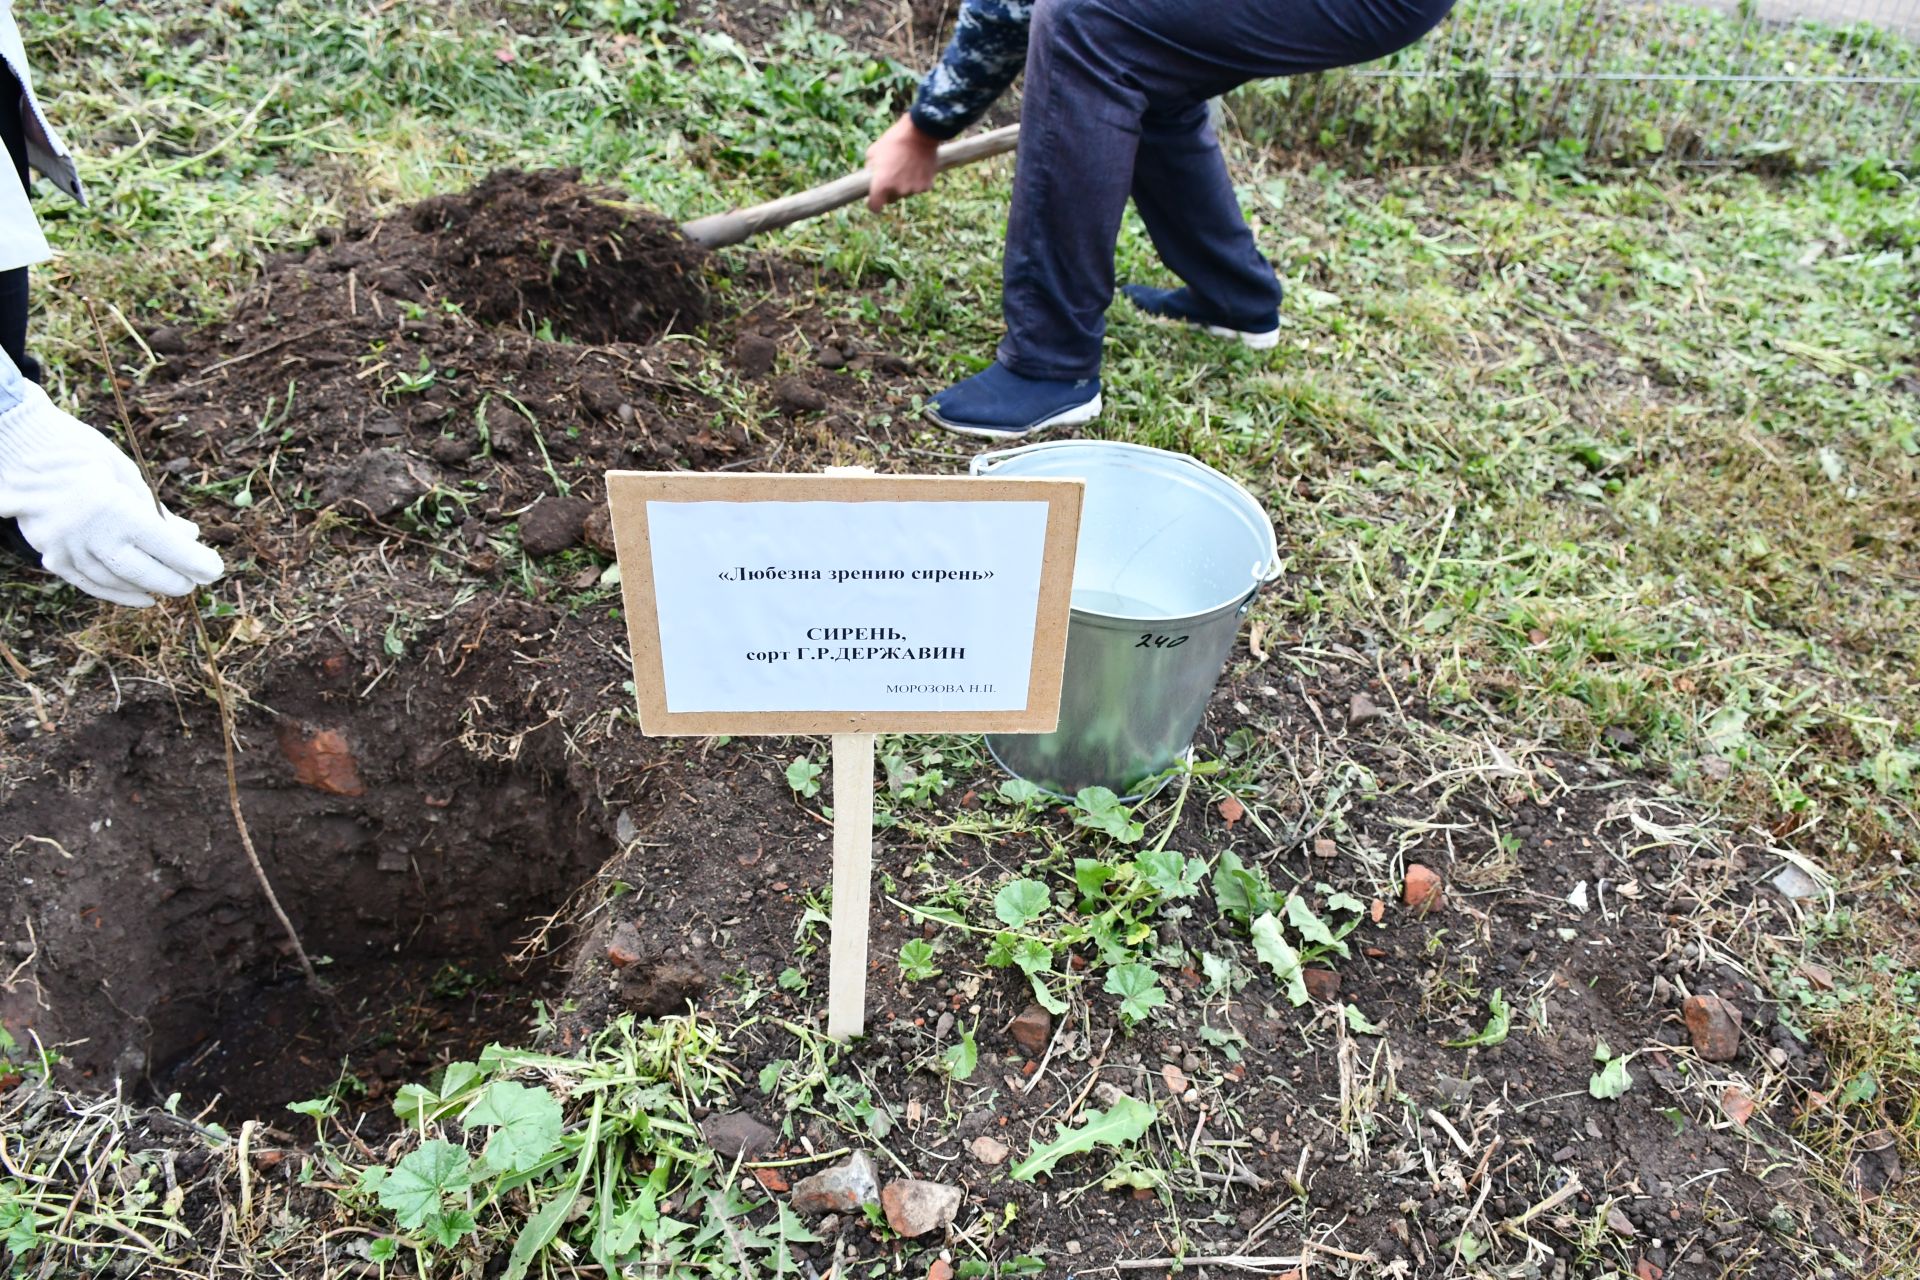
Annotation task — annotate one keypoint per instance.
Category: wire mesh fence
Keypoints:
(1786, 82)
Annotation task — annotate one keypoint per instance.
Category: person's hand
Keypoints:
(902, 161)
(82, 505)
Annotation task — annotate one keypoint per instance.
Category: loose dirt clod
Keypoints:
(553, 524)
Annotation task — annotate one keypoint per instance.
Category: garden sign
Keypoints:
(847, 604)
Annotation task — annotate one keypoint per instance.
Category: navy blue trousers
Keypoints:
(1115, 105)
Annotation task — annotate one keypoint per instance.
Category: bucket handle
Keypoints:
(1263, 574)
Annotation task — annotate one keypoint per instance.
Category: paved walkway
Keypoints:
(1895, 15)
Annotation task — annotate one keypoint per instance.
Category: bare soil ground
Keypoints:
(449, 790)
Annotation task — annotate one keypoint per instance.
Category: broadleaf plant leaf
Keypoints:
(1499, 1022)
(1138, 987)
(415, 1188)
(1612, 1079)
(1126, 1121)
(1279, 955)
(960, 1059)
(526, 1125)
(1020, 902)
(1310, 926)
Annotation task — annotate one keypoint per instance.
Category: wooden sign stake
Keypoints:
(852, 884)
(852, 872)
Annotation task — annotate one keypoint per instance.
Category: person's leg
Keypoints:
(1187, 201)
(1079, 126)
(1094, 70)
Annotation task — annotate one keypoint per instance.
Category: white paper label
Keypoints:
(847, 606)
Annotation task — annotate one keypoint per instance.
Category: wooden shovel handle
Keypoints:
(722, 229)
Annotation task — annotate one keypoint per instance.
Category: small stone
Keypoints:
(940, 1270)
(988, 1150)
(736, 1135)
(1074, 1247)
(1424, 892)
(1792, 882)
(553, 524)
(1618, 1222)
(1620, 737)
(625, 948)
(844, 1188)
(321, 759)
(1564, 1155)
(1363, 710)
(1645, 1270)
(830, 358)
(1176, 1079)
(795, 396)
(1325, 848)
(916, 1207)
(1191, 1097)
(943, 1026)
(1322, 984)
(1714, 1026)
(754, 354)
(1032, 1029)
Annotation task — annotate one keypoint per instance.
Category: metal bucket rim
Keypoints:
(1127, 622)
(1264, 571)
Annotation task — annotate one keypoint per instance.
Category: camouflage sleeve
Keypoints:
(988, 49)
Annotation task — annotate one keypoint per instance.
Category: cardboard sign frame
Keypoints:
(629, 492)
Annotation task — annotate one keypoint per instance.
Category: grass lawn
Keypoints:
(1620, 461)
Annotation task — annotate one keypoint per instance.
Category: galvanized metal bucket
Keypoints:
(1171, 554)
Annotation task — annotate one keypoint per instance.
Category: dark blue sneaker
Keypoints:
(999, 404)
(1179, 305)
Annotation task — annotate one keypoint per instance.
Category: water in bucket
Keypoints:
(1170, 555)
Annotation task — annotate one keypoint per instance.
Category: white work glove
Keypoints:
(82, 505)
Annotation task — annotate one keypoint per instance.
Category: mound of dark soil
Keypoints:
(522, 248)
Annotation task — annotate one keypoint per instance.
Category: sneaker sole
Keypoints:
(1073, 417)
(1252, 341)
